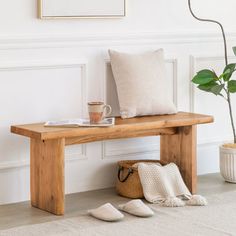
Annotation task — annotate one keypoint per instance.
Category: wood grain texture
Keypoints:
(47, 175)
(124, 126)
(180, 148)
(178, 144)
(118, 135)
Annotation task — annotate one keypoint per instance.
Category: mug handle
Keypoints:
(107, 110)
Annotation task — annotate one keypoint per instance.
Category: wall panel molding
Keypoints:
(105, 38)
(120, 153)
(50, 64)
(194, 60)
(174, 63)
(6, 165)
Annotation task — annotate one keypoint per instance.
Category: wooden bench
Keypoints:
(178, 145)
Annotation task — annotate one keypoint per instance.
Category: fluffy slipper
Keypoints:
(137, 208)
(173, 202)
(106, 212)
(197, 200)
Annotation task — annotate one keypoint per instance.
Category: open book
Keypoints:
(80, 122)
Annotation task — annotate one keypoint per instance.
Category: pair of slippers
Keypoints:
(108, 212)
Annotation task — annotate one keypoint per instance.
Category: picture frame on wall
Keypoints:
(72, 9)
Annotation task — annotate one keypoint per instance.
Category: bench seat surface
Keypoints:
(161, 124)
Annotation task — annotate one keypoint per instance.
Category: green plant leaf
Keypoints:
(228, 71)
(207, 87)
(204, 77)
(232, 86)
(225, 73)
(217, 89)
(234, 49)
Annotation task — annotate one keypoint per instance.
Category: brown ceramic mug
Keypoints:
(98, 111)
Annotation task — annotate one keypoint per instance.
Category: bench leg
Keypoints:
(47, 175)
(180, 148)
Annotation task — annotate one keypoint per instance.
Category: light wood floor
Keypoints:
(18, 214)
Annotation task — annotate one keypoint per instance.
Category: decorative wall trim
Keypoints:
(13, 164)
(151, 37)
(153, 149)
(192, 71)
(174, 63)
(194, 59)
(45, 64)
(214, 141)
(51, 64)
(77, 156)
(6, 165)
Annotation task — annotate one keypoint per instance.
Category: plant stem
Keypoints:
(231, 115)
(226, 63)
(216, 22)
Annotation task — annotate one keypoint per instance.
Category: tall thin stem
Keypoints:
(212, 21)
(231, 115)
(226, 63)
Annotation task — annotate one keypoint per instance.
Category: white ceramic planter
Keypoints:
(228, 163)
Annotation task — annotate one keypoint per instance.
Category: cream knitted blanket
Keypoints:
(164, 184)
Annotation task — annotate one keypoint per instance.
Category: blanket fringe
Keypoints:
(173, 202)
(197, 200)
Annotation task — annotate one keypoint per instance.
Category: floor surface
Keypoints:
(18, 214)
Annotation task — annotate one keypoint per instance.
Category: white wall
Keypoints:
(46, 66)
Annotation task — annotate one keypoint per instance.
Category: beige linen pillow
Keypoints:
(141, 83)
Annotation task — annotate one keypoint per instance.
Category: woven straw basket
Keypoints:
(128, 182)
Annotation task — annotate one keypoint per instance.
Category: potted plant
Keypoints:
(221, 85)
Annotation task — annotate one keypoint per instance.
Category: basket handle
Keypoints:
(130, 171)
